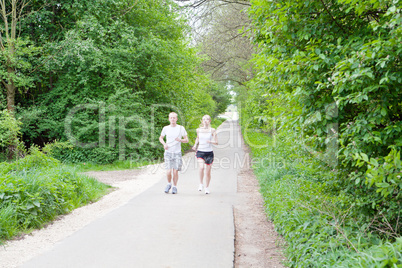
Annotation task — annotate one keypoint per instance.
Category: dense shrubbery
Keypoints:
(105, 76)
(36, 189)
(10, 133)
(329, 83)
(321, 227)
(332, 73)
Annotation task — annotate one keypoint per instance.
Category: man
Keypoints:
(175, 136)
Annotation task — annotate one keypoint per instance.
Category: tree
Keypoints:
(220, 31)
(14, 55)
(338, 63)
(13, 50)
(115, 74)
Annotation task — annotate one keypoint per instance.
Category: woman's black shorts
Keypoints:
(208, 157)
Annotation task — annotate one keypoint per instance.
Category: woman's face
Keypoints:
(206, 120)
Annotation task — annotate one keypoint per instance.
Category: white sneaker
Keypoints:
(201, 187)
(206, 191)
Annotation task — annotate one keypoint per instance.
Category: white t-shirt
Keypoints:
(171, 134)
(203, 137)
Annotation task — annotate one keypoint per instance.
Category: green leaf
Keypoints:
(318, 116)
(382, 184)
(374, 162)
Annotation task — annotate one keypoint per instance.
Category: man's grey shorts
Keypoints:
(173, 160)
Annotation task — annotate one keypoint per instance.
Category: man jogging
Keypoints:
(175, 136)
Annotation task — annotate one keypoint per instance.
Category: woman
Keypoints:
(206, 136)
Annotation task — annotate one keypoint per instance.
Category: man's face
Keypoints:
(173, 119)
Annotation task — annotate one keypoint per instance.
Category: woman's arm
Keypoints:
(196, 142)
(214, 140)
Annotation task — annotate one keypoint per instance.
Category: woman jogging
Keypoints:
(206, 136)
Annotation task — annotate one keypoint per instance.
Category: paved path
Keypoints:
(155, 229)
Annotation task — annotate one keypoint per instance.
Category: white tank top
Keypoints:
(203, 137)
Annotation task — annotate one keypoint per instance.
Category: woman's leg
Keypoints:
(207, 175)
(201, 170)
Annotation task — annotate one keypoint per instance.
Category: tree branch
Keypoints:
(127, 10)
(3, 82)
(245, 3)
(329, 13)
(1, 43)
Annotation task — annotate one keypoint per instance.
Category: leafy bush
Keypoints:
(10, 132)
(36, 189)
(322, 227)
(330, 75)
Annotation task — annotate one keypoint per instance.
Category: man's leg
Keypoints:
(169, 179)
(175, 176)
(169, 175)
(175, 179)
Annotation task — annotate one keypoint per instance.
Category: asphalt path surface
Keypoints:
(154, 229)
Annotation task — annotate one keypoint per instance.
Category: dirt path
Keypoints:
(257, 243)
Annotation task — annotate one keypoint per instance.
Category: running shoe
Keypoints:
(201, 187)
(206, 191)
(167, 189)
(174, 190)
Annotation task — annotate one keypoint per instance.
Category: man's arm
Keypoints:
(161, 139)
(185, 139)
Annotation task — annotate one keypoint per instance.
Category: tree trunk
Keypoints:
(11, 107)
(11, 34)
(10, 87)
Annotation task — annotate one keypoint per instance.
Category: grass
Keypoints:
(36, 189)
(321, 227)
(117, 165)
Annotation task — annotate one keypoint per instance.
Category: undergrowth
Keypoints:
(322, 225)
(36, 189)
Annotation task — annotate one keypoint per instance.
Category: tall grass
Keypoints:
(321, 226)
(36, 189)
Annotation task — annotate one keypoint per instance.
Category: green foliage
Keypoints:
(10, 133)
(384, 255)
(17, 56)
(132, 163)
(36, 189)
(321, 227)
(107, 80)
(221, 96)
(9, 129)
(3, 101)
(217, 122)
(330, 73)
